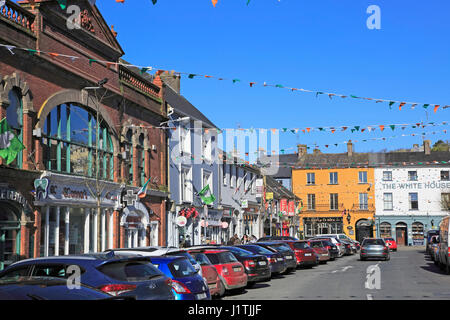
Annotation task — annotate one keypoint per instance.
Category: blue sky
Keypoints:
(321, 45)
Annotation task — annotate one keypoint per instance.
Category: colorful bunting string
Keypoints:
(252, 84)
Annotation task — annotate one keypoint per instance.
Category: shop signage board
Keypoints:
(244, 203)
(269, 195)
(291, 208)
(283, 207)
(322, 219)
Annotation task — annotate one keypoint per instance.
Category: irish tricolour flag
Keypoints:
(10, 146)
(206, 195)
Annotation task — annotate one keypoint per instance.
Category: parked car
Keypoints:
(276, 259)
(349, 246)
(275, 238)
(391, 243)
(332, 249)
(111, 274)
(340, 236)
(428, 236)
(434, 241)
(162, 251)
(285, 249)
(444, 261)
(187, 283)
(304, 254)
(339, 245)
(256, 265)
(209, 273)
(435, 252)
(50, 288)
(320, 250)
(374, 248)
(231, 272)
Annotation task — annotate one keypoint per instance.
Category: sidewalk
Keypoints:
(411, 248)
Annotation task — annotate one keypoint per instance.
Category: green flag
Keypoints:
(206, 195)
(10, 146)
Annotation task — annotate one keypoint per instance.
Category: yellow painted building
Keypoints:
(335, 200)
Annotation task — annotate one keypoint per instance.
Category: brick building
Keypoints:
(89, 146)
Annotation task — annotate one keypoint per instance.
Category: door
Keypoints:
(401, 236)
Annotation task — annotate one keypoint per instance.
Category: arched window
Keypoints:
(14, 117)
(385, 230)
(75, 143)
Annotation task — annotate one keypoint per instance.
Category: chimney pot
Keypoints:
(427, 146)
(302, 150)
(349, 148)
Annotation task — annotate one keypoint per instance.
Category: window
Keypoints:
(362, 176)
(363, 201)
(141, 160)
(226, 173)
(207, 180)
(388, 201)
(387, 175)
(15, 274)
(57, 271)
(413, 201)
(185, 140)
(75, 143)
(233, 176)
(207, 146)
(310, 178)
(186, 185)
(333, 178)
(385, 230)
(412, 175)
(333, 201)
(445, 201)
(311, 202)
(445, 176)
(14, 118)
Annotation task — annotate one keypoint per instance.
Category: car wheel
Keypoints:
(441, 266)
(251, 284)
(387, 258)
(362, 259)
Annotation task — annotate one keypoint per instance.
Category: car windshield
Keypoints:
(389, 239)
(182, 268)
(257, 249)
(280, 247)
(227, 257)
(372, 242)
(301, 245)
(183, 254)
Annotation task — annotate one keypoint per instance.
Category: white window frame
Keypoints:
(209, 181)
(389, 173)
(308, 180)
(362, 174)
(185, 194)
(333, 177)
(207, 147)
(185, 140)
(388, 201)
(410, 201)
(233, 176)
(363, 201)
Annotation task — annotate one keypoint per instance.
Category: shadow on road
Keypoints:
(431, 267)
(259, 286)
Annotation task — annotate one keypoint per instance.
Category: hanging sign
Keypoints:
(291, 208)
(269, 195)
(283, 207)
(244, 203)
(181, 221)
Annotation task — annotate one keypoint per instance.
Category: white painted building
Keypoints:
(408, 200)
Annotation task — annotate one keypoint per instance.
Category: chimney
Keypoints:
(174, 81)
(302, 150)
(427, 146)
(349, 148)
(317, 151)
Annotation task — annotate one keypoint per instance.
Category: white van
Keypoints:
(444, 258)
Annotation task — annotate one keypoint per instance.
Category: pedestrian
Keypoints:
(236, 240)
(253, 239)
(245, 239)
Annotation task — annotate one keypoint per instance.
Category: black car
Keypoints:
(285, 249)
(256, 266)
(276, 259)
(332, 249)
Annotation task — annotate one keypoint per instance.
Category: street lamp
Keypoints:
(349, 217)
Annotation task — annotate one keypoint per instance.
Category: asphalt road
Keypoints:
(408, 275)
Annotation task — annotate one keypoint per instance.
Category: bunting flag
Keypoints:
(11, 49)
(10, 145)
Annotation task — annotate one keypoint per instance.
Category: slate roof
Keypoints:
(278, 190)
(180, 103)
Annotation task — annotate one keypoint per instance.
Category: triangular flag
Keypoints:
(381, 127)
(214, 2)
(436, 107)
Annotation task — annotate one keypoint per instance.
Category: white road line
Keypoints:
(369, 297)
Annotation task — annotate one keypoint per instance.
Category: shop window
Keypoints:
(385, 230)
(75, 143)
(14, 118)
(417, 233)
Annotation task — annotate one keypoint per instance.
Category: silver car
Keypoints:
(374, 248)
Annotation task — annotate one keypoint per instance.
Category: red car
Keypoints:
(321, 251)
(231, 271)
(304, 254)
(216, 288)
(391, 244)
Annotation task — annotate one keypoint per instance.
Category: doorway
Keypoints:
(401, 234)
(364, 230)
(9, 235)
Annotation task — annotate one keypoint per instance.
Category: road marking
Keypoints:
(369, 297)
(346, 268)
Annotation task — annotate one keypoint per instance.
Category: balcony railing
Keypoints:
(363, 207)
(138, 83)
(17, 15)
(325, 208)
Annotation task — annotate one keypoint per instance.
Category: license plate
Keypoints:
(201, 296)
(262, 263)
(288, 257)
(280, 259)
(212, 285)
(324, 254)
(307, 254)
(237, 269)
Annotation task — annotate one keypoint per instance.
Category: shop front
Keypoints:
(16, 226)
(75, 218)
(322, 225)
(406, 231)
